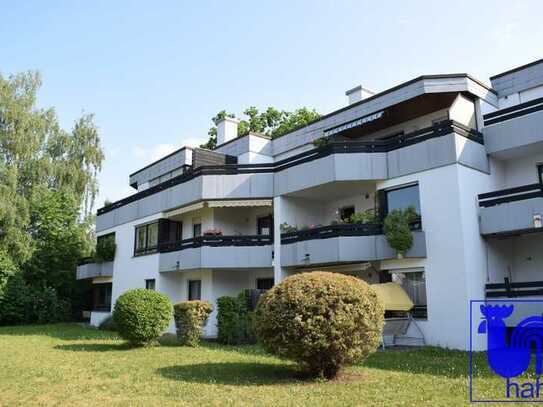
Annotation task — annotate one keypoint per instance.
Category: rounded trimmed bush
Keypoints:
(190, 318)
(323, 321)
(141, 315)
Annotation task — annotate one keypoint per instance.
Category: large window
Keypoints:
(146, 239)
(402, 198)
(414, 284)
(101, 295)
(195, 290)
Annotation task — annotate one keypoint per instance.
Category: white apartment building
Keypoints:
(469, 158)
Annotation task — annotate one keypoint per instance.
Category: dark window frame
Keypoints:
(259, 226)
(259, 282)
(99, 290)
(344, 208)
(189, 297)
(194, 226)
(146, 249)
(398, 188)
(150, 282)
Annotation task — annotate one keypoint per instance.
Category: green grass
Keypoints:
(71, 365)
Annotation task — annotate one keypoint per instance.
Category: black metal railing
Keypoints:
(325, 232)
(511, 195)
(512, 112)
(376, 146)
(508, 289)
(215, 241)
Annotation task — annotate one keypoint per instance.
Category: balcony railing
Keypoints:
(215, 241)
(511, 195)
(375, 146)
(512, 290)
(512, 112)
(325, 232)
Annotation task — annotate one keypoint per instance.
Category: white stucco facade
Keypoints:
(278, 211)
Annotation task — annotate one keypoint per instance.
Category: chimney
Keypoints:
(227, 129)
(358, 93)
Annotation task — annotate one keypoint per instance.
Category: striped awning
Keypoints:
(242, 202)
(185, 209)
(229, 203)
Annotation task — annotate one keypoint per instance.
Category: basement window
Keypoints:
(195, 290)
(150, 284)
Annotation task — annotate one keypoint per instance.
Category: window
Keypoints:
(346, 212)
(264, 283)
(540, 173)
(101, 295)
(195, 290)
(264, 225)
(150, 284)
(146, 239)
(414, 284)
(402, 198)
(196, 229)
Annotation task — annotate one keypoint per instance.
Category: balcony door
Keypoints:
(264, 225)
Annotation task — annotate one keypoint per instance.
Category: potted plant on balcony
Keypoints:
(105, 250)
(286, 228)
(396, 227)
(363, 218)
(213, 232)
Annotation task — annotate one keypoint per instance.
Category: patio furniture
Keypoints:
(396, 300)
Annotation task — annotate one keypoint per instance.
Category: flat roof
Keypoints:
(519, 68)
(394, 88)
(161, 159)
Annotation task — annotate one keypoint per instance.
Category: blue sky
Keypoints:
(154, 73)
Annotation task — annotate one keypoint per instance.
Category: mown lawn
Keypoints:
(72, 365)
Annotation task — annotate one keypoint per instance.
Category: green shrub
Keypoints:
(105, 249)
(235, 321)
(141, 315)
(397, 229)
(14, 303)
(368, 216)
(44, 306)
(322, 321)
(190, 319)
(108, 325)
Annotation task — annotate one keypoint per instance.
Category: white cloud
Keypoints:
(194, 141)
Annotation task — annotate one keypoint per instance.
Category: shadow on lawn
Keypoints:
(238, 374)
(95, 347)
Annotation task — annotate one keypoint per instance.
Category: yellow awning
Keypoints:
(393, 296)
(185, 209)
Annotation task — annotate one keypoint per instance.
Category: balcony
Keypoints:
(343, 244)
(251, 251)
(508, 289)
(438, 145)
(511, 211)
(515, 130)
(90, 269)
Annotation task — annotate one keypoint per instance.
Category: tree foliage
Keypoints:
(48, 185)
(271, 122)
